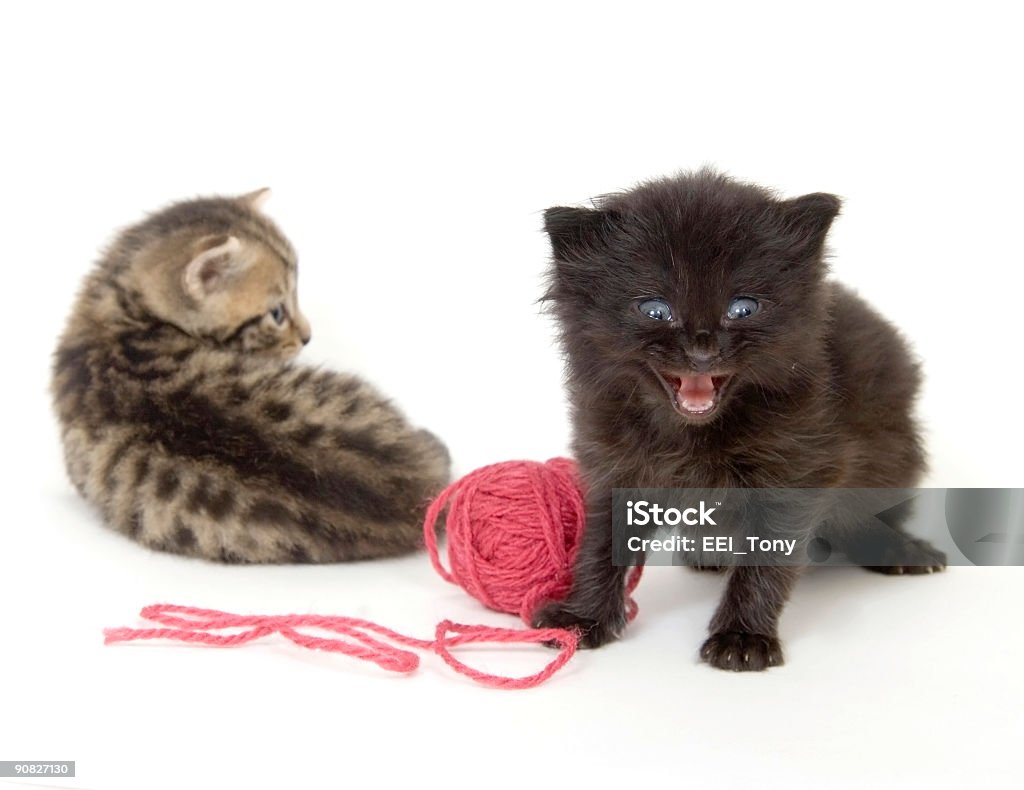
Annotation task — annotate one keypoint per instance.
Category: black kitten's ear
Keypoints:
(572, 228)
(807, 220)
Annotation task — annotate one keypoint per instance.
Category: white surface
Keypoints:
(412, 150)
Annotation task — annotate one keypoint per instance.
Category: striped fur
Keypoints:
(185, 422)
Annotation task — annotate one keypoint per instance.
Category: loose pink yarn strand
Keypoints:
(194, 625)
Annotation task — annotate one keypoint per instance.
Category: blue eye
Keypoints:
(656, 309)
(742, 307)
(277, 314)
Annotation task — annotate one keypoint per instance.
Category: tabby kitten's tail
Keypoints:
(183, 421)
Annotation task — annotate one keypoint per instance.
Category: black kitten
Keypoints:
(706, 348)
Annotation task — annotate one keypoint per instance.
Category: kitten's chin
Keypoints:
(280, 353)
(695, 396)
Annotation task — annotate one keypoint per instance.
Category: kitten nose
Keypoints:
(302, 327)
(702, 351)
(701, 362)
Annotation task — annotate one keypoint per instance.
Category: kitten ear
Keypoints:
(256, 199)
(572, 228)
(807, 219)
(217, 262)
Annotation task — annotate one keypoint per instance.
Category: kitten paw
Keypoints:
(910, 556)
(742, 652)
(593, 631)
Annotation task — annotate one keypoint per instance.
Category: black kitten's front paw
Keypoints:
(908, 556)
(742, 652)
(594, 631)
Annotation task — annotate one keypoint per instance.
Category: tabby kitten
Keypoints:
(184, 423)
(707, 349)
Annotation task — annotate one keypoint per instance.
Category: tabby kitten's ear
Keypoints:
(806, 221)
(219, 259)
(256, 199)
(571, 229)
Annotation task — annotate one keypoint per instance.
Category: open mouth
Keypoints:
(694, 395)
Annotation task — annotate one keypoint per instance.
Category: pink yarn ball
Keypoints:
(513, 531)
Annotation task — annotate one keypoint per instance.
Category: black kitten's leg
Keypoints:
(744, 630)
(596, 604)
(888, 549)
(880, 543)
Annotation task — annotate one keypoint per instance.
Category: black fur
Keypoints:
(819, 389)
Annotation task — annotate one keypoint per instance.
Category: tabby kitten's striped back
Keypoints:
(186, 425)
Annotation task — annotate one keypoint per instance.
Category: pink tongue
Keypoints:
(696, 393)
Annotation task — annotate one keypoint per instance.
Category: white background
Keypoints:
(412, 149)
